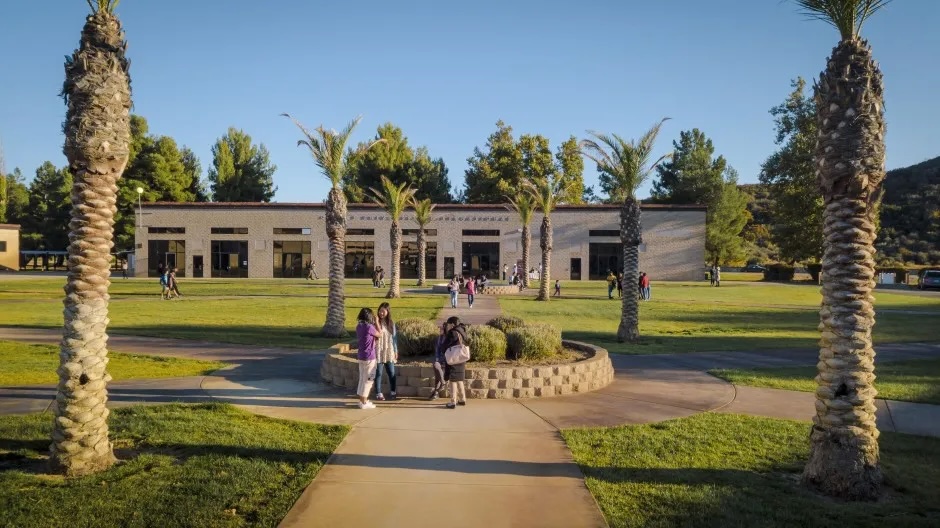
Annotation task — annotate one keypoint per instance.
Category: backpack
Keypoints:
(163, 281)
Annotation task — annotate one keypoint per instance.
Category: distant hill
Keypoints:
(910, 215)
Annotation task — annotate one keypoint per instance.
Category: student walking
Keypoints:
(645, 286)
(166, 292)
(505, 270)
(454, 289)
(611, 284)
(620, 285)
(557, 288)
(455, 333)
(366, 334)
(124, 269)
(386, 353)
(312, 271)
(471, 291)
(174, 284)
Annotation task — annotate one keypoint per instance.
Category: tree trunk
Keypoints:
(631, 237)
(844, 453)
(526, 242)
(546, 245)
(422, 252)
(394, 235)
(335, 325)
(97, 139)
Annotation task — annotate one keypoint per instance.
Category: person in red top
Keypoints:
(645, 286)
(471, 291)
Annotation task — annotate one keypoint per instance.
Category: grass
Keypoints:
(728, 470)
(206, 465)
(25, 364)
(914, 381)
(287, 312)
(694, 317)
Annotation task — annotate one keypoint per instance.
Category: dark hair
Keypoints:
(388, 323)
(366, 316)
(453, 320)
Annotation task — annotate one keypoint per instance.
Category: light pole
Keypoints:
(140, 220)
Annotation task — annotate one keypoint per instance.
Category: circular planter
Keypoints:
(342, 370)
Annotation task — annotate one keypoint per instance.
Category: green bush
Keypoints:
(486, 343)
(535, 341)
(505, 323)
(779, 272)
(416, 337)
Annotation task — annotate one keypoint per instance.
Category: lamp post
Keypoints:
(140, 218)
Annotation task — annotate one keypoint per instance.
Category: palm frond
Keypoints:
(423, 210)
(845, 15)
(328, 148)
(523, 205)
(393, 198)
(108, 6)
(546, 192)
(626, 162)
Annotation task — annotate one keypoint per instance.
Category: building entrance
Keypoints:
(480, 258)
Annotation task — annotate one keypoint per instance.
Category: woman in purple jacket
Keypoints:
(366, 333)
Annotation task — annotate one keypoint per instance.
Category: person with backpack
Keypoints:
(367, 332)
(455, 370)
(611, 284)
(557, 288)
(165, 285)
(471, 291)
(386, 352)
(454, 289)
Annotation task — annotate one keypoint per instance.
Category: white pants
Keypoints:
(366, 377)
(455, 387)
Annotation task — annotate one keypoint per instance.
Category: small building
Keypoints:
(9, 247)
(265, 240)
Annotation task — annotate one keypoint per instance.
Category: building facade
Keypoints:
(9, 247)
(265, 240)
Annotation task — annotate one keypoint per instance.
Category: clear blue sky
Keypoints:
(446, 71)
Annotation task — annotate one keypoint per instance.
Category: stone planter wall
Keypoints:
(342, 369)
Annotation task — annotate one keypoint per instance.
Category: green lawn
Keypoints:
(25, 364)
(913, 381)
(727, 470)
(248, 311)
(694, 317)
(200, 465)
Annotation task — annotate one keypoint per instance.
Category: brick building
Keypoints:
(264, 240)
(9, 247)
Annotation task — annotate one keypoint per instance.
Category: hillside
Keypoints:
(910, 214)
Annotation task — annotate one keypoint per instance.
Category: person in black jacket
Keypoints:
(455, 333)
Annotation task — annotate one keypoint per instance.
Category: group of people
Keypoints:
(470, 286)
(168, 284)
(377, 353)
(644, 293)
(378, 277)
(715, 275)
(311, 268)
(517, 274)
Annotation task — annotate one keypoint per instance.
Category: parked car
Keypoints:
(929, 278)
(757, 268)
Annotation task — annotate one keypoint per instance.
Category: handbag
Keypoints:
(457, 354)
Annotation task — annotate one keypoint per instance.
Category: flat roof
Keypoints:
(438, 207)
(9, 226)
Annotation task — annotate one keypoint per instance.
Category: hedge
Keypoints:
(505, 323)
(416, 337)
(486, 343)
(535, 341)
(779, 272)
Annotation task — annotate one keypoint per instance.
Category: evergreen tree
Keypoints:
(17, 197)
(241, 171)
(570, 163)
(46, 222)
(495, 174)
(693, 175)
(192, 171)
(725, 221)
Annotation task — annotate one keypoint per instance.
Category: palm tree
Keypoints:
(328, 148)
(545, 194)
(394, 199)
(423, 210)
(524, 206)
(626, 165)
(850, 159)
(97, 130)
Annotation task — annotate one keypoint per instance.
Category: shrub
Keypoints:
(505, 323)
(535, 341)
(486, 343)
(416, 337)
(779, 272)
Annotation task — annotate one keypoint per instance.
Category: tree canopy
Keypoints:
(693, 175)
(725, 221)
(241, 171)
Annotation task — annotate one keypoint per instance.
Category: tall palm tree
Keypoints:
(423, 210)
(328, 148)
(850, 159)
(394, 199)
(545, 194)
(626, 164)
(97, 130)
(524, 206)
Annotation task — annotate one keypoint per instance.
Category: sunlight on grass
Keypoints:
(728, 470)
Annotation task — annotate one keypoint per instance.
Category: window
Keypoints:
(604, 232)
(414, 232)
(229, 258)
(165, 230)
(291, 230)
(169, 253)
(360, 232)
(360, 259)
(604, 258)
(229, 230)
(480, 258)
(3, 246)
(480, 232)
(291, 257)
(409, 260)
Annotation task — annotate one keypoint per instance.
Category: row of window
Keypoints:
(358, 231)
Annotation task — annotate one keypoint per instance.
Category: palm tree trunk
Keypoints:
(97, 139)
(844, 453)
(631, 237)
(546, 245)
(335, 325)
(526, 242)
(422, 252)
(394, 234)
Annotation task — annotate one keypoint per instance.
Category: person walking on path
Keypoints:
(174, 284)
(124, 269)
(386, 353)
(716, 274)
(505, 270)
(471, 291)
(455, 333)
(454, 289)
(367, 332)
(164, 284)
(611, 284)
(620, 285)
(557, 288)
(312, 271)
(440, 381)
(645, 286)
